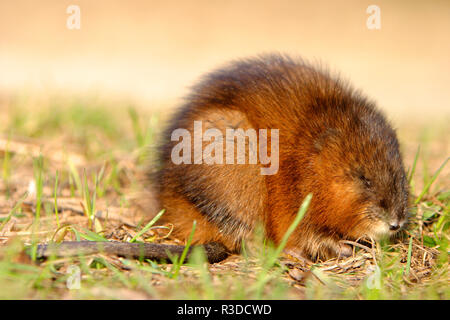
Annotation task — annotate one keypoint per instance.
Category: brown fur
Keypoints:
(333, 143)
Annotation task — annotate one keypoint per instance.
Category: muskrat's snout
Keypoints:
(390, 221)
(381, 227)
(398, 221)
(395, 226)
(399, 217)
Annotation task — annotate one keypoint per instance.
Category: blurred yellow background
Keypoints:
(152, 51)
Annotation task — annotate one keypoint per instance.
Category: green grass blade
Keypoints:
(177, 264)
(56, 199)
(148, 226)
(408, 262)
(413, 169)
(76, 177)
(292, 227)
(136, 126)
(92, 236)
(13, 210)
(6, 162)
(428, 185)
(188, 244)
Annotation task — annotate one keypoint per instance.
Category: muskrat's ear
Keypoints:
(323, 138)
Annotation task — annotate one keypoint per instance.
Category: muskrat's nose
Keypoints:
(394, 226)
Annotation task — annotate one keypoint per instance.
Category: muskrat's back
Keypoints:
(332, 142)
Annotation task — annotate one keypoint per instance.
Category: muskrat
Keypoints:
(332, 142)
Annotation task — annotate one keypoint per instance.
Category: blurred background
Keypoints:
(152, 51)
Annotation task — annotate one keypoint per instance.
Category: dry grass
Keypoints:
(103, 145)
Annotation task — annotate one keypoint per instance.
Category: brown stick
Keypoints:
(215, 252)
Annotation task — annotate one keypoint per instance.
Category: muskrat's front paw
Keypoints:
(343, 250)
(297, 254)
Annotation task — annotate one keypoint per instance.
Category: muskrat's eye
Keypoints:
(367, 183)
